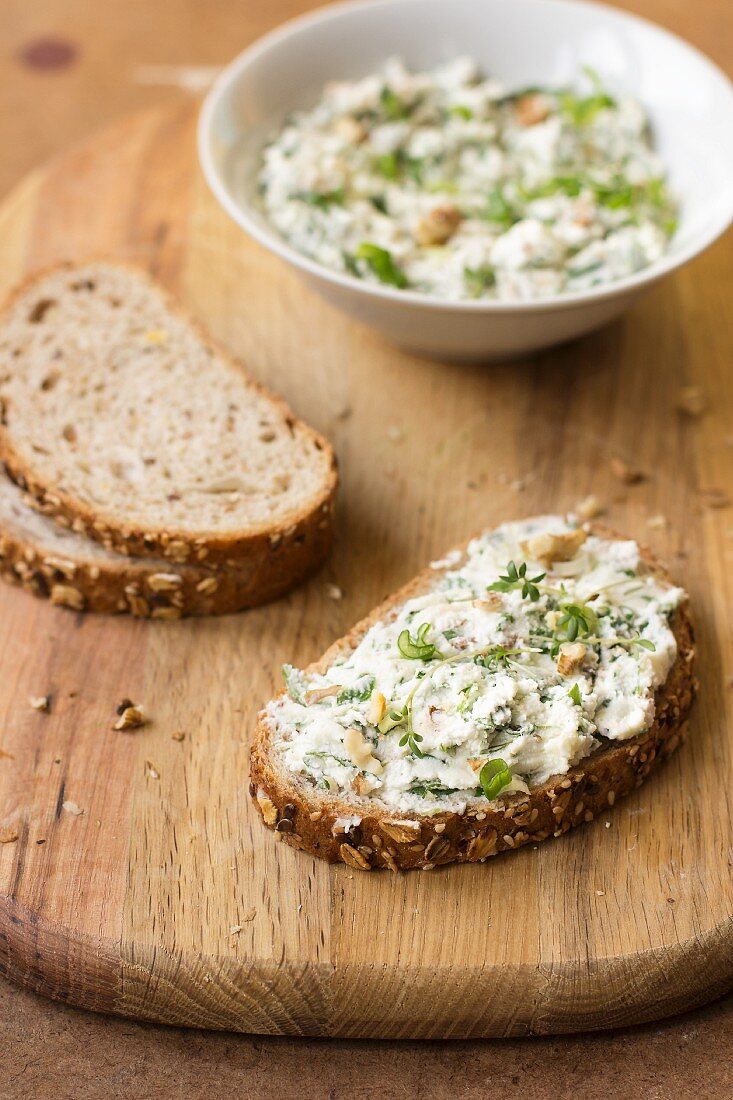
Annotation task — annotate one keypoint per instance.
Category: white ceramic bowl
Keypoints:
(690, 103)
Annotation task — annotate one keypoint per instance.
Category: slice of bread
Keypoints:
(52, 561)
(121, 416)
(367, 834)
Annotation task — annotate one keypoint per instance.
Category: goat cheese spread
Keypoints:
(542, 645)
(445, 183)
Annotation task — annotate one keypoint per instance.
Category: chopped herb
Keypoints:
(382, 264)
(323, 200)
(494, 777)
(581, 110)
(392, 106)
(559, 185)
(388, 165)
(417, 649)
(499, 210)
(293, 683)
(479, 279)
(379, 203)
(516, 579)
(449, 635)
(359, 692)
(330, 756)
(574, 694)
(428, 788)
(461, 111)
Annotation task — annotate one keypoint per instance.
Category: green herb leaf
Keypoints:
(576, 621)
(461, 111)
(359, 692)
(516, 579)
(392, 106)
(382, 264)
(416, 649)
(388, 165)
(583, 109)
(496, 657)
(293, 683)
(499, 210)
(430, 788)
(410, 739)
(494, 777)
(574, 694)
(322, 199)
(379, 203)
(479, 279)
(559, 185)
(330, 756)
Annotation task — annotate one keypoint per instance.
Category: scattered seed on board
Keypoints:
(334, 592)
(629, 475)
(72, 808)
(40, 702)
(151, 770)
(178, 735)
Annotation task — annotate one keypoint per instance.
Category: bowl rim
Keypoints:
(239, 211)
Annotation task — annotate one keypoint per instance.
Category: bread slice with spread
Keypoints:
(125, 420)
(509, 692)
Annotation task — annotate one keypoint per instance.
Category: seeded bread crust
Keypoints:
(280, 554)
(308, 819)
(71, 571)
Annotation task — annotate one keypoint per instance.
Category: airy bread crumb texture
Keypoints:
(114, 400)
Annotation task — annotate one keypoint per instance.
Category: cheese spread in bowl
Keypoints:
(460, 217)
(446, 183)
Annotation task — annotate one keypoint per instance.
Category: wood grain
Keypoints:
(129, 907)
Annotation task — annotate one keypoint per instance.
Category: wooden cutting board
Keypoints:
(165, 898)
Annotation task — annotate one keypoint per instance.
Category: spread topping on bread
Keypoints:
(532, 649)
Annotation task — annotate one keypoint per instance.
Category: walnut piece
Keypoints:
(571, 658)
(438, 225)
(548, 547)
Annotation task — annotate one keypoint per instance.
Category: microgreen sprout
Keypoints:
(516, 578)
(576, 621)
(496, 657)
(410, 738)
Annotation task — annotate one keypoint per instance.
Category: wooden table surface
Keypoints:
(67, 67)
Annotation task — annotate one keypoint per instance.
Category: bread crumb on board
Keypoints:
(130, 715)
(691, 401)
(41, 703)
